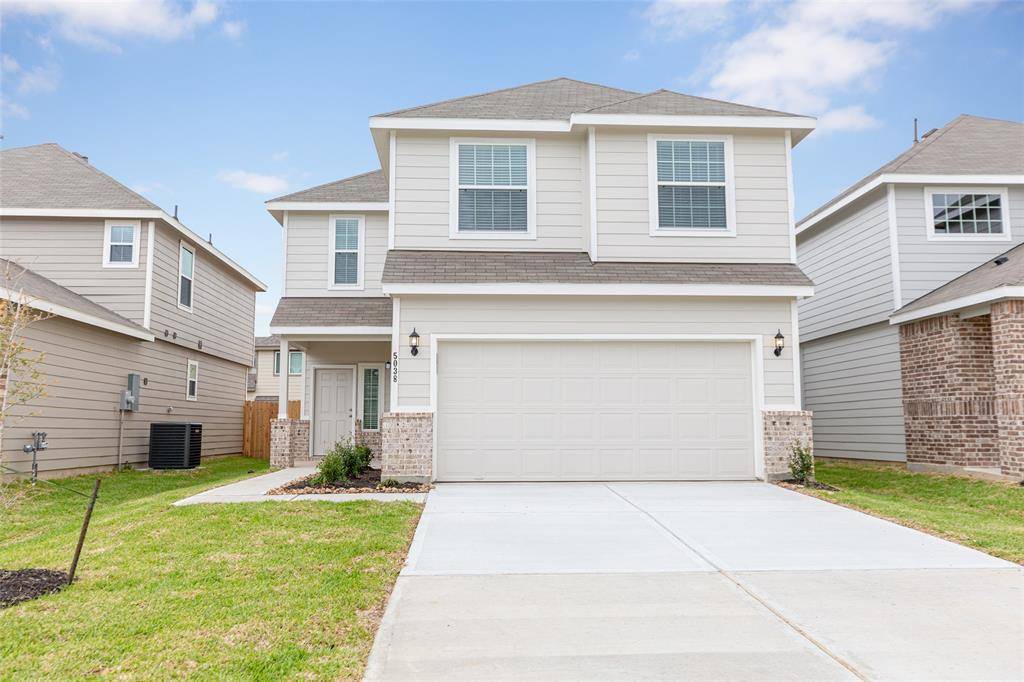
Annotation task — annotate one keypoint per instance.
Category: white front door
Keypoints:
(334, 411)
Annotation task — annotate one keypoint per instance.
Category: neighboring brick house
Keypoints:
(557, 281)
(948, 204)
(962, 366)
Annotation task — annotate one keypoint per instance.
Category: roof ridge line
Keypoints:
(464, 97)
(324, 184)
(72, 155)
(921, 144)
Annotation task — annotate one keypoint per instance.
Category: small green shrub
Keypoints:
(344, 462)
(389, 483)
(801, 462)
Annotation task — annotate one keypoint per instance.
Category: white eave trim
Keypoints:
(905, 179)
(70, 313)
(990, 296)
(331, 331)
(338, 206)
(493, 124)
(611, 289)
(141, 214)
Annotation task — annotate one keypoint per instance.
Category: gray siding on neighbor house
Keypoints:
(851, 382)
(86, 369)
(927, 265)
(69, 251)
(309, 256)
(850, 263)
(223, 304)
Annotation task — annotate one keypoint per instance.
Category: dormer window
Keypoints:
(492, 194)
(121, 244)
(691, 187)
(967, 214)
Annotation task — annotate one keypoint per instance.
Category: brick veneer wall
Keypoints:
(371, 439)
(407, 445)
(782, 429)
(289, 441)
(1008, 373)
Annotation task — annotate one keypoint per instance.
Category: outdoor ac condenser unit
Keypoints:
(175, 445)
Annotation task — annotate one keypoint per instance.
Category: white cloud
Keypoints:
(39, 79)
(851, 118)
(233, 29)
(97, 24)
(253, 182)
(279, 156)
(631, 56)
(147, 187)
(12, 109)
(9, 64)
(677, 19)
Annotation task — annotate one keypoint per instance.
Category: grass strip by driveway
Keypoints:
(265, 590)
(981, 514)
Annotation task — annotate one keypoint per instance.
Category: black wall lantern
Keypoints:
(414, 342)
(780, 343)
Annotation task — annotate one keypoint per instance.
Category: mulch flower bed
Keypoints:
(29, 583)
(814, 485)
(367, 482)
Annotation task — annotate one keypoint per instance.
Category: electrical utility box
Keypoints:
(131, 396)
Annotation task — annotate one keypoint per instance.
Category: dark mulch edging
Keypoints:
(366, 482)
(814, 485)
(29, 583)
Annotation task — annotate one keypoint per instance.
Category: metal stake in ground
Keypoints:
(85, 528)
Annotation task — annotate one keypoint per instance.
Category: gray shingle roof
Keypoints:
(36, 287)
(267, 342)
(49, 176)
(522, 267)
(330, 311)
(669, 103)
(371, 186)
(967, 145)
(982, 278)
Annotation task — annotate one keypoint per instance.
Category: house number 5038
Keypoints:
(394, 368)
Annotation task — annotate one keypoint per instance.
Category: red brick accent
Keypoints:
(289, 441)
(407, 445)
(1008, 373)
(370, 439)
(782, 430)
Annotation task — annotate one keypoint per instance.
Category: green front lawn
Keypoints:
(245, 591)
(986, 516)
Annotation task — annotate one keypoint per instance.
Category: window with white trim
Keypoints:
(121, 244)
(192, 380)
(492, 190)
(691, 185)
(186, 275)
(346, 245)
(294, 362)
(967, 214)
(371, 398)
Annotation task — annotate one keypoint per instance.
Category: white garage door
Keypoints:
(594, 410)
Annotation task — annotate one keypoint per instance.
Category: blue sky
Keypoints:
(217, 107)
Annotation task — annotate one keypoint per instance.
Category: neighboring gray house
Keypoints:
(946, 205)
(131, 290)
(557, 281)
(263, 382)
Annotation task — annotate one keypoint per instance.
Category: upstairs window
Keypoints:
(346, 265)
(967, 214)
(121, 244)
(492, 194)
(691, 186)
(186, 275)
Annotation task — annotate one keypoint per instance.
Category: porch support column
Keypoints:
(282, 395)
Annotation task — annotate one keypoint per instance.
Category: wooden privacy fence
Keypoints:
(256, 418)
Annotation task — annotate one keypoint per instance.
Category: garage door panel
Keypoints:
(584, 410)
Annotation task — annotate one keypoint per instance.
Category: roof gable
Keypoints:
(670, 103)
(371, 186)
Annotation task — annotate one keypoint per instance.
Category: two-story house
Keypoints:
(899, 362)
(129, 290)
(558, 281)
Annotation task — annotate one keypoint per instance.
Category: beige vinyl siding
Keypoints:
(422, 195)
(268, 383)
(333, 353)
(309, 254)
(850, 263)
(87, 368)
(926, 265)
(69, 251)
(590, 315)
(851, 382)
(223, 305)
(762, 202)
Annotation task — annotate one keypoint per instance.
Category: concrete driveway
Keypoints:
(696, 580)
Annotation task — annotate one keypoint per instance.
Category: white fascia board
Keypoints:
(980, 298)
(616, 289)
(660, 121)
(45, 306)
(327, 206)
(906, 179)
(331, 331)
(142, 214)
(491, 124)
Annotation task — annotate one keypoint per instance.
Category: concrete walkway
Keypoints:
(255, 490)
(688, 580)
